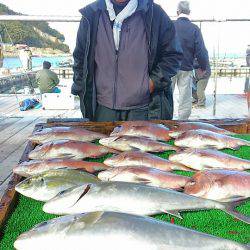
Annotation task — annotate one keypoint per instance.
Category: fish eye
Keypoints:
(42, 180)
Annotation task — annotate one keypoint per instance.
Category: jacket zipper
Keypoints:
(116, 77)
(85, 63)
(116, 68)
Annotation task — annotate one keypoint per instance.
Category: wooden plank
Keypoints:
(6, 122)
(10, 131)
(11, 161)
(15, 141)
(4, 185)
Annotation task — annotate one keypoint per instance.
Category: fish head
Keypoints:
(56, 230)
(41, 135)
(109, 141)
(30, 187)
(40, 151)
(22, 169)
(118, 130)
(44, 233)
(199, 185)
(115, 160)
(42, 186)
(65, 200)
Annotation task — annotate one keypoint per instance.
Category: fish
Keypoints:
(182, 127)
(220, 185)
(64, 133)
(207, 139)
(129, 143)
(131, 198)
(153, 131)
(33, 167)
(68, 149)
(109, 230)
(205, 159)
(144, 175)
(137, 158)
(44, 186)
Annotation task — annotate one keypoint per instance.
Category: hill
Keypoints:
(34, 34)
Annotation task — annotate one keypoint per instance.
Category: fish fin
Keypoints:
(234, 199)
(230, 209)
(86, 190)
(134, 149)
(174, 213)
(142, 180)
(69, 156)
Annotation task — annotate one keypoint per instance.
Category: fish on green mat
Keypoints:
(131, 198)
(44, 186)
(220, 185)
(64, 133)
(128, 143)
(182, 127)
(153, 131)
(68, 149)
(125, 231)
(33, 167)
(207, 139)
(138, 158)
(149, 176)
(203, 159)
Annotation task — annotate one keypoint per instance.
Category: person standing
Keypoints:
(1, 56)
(126, 54)
(193, 47)
(47, 80)
(201, 80)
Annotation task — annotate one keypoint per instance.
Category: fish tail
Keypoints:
(230, 208)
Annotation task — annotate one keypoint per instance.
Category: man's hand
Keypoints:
(151, 86)
(201, 73)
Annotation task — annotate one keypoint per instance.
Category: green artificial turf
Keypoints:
(28, 213)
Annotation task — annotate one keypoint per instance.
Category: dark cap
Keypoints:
(46, 65)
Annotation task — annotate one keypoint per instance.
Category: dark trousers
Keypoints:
(104, 114)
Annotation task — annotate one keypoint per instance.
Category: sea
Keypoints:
(37, 62)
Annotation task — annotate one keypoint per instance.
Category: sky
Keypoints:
(228, 38)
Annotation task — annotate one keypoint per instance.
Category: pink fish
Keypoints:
(149, 176)
(220, 185)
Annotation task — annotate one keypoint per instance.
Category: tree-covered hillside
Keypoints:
(34, 34)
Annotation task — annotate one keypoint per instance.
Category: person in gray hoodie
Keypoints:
(126, 54)
(193, 47)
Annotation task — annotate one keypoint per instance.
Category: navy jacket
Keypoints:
(164, 58)
(192, 44)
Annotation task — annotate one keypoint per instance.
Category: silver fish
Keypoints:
(107, 230)
(128, 143)
(64, 133)
(206, 139)
(130, 198)
(201, 159)
(68, 149)
(149, 176)
(137, 158)
(47, 185)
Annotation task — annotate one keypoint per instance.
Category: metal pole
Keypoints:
(216, 60)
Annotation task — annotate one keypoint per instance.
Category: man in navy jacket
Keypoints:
(193, 47)
(126, 77)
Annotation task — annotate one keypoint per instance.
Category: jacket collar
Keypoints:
(100, 5)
